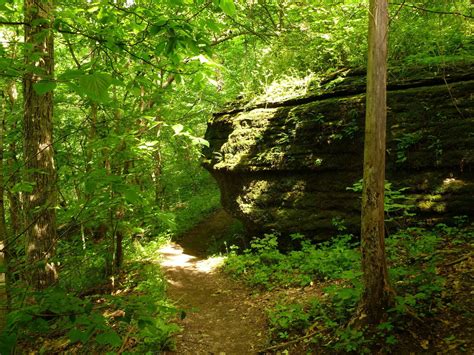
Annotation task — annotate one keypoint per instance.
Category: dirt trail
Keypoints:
(222, 317)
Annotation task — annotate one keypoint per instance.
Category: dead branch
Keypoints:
(457, 261)
(291, 342)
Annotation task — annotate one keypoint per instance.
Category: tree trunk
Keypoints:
(17, 220)
(118, 259)
(156, 176)
(39, 154)
(3, 236)
(376, 295)
(15, 199)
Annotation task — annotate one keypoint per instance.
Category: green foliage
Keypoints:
(352, 340)
(147, 309)
(227, 6)
(333, 267)
(144, 312)
(134, 84)
(413, 269)
(288, 317)
(404, 143)
(42, 87)
(397, 205)
(53, 309)
(265, 266)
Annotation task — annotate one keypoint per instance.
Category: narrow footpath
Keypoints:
(221, 315)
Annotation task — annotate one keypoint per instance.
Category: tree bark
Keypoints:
(376, 296)
(3, 235)
(15, 199)
(38, 149)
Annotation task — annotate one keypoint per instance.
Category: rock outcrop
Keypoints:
(286, 165)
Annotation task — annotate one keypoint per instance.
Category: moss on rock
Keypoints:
(287, 165)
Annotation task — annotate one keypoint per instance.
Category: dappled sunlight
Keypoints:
(244, 140)
(451, 184)
(438, 201)
(174, 257)
(210, 264)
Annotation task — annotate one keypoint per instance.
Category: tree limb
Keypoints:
(13, 23)
(455, 13)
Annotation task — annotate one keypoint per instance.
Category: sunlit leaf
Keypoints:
(23, 186)
(199, 141)
(96, 86)
(177, 128)
(228, 7)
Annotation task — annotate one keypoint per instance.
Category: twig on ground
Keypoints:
(291, 342)
(125, 340)
(457, 261)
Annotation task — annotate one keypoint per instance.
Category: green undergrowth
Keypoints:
(330, 274)
(127, 312)
(196, 207)
(90, 311)
(265, 266)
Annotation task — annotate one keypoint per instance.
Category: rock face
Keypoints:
(286, 165)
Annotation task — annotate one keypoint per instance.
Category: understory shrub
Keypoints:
(334, 267)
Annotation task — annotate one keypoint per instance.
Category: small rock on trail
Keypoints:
(222, 316)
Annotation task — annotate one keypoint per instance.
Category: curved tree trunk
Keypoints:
(38, 149)
(376, 296)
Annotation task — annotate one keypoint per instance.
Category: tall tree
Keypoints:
(3, 234)
(38, 150)
(376, 295)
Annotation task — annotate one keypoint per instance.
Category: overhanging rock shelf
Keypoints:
(286, 165)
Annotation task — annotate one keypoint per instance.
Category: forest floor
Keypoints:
(220, 315)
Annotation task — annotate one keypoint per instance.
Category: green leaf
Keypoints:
(44, 86)
(200, 141)
(90, 185)
(95, 86)
(76, 335)
(228, 7)
(7, 342)
(213, 26)
(23, 186)
(132, 196)
(391, 340)
(109, 338)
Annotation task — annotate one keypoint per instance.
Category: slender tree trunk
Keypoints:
(156, 176)
(17, 218)
(15, 199)
(376, 295)
(39, 155)
(118, 259)
(3, 234)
